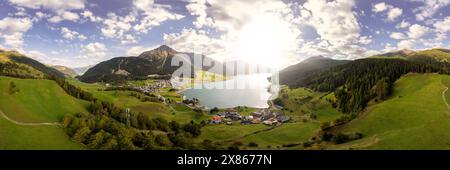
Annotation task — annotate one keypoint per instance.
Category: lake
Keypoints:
(242, 90)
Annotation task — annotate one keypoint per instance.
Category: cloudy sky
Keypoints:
(78, 33)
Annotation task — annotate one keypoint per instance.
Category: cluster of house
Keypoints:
(154, 87)
(264, 116)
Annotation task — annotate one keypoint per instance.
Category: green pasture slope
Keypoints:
(123, 99)
(36, 101)
(299, 103)
(415, 117)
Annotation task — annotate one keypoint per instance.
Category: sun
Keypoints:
(266, 40)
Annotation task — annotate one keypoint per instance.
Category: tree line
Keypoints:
(358, 82)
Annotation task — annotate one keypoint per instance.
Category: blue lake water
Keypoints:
(243, 90)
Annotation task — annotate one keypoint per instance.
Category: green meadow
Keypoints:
(123, 99)
(35, 101)
(414, 117)
(19, 137)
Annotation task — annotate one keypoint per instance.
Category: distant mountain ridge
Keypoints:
(299, 74)
(293, 75)
(14, 64)
(156, 61)
(81, 70)
(437, 54)
(68, 72)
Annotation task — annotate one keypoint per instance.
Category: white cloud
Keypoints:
(55, 19)
(380, 7)
(443, 26)
(394, 13)
(365, 40)
(417, 31)
(20, 12)
(190, 39)
(37, 55)
(82, 37)
(406, 44)
(69, 34)
(70, 16)
(243, 33)
(136, 50)
(398, 36)
(334, 20)
(118, 26)
(429, 8)
(60, 8)
(54, 5)
(154, 14)
(403, 24)
(198, 8)
(94, 50)
(146, 15)
(336, 23)
(13, 29)
(39, 16)
(89, 15)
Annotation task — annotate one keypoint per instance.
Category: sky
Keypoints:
(78, 33)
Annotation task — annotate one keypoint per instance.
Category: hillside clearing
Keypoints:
(415, 117)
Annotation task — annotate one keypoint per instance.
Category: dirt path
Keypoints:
(2, 114)
(443, 96)
(360, 145)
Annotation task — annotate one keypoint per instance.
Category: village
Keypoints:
(228, 116)
(154, 87)
(265, 116)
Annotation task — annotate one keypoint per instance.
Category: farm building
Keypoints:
(216, 119)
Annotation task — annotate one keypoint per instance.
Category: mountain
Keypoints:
(156, 61)
(81, 70)
(14, 64)
(158, 54)
(437, 54)
(293, 75)
(68, 72)
(415, 116)
(395, 54)
(358, 82)
(118, 69)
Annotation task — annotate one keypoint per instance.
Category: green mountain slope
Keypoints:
(17, 65)
(35, 101)
(68, 72)
(156, 61)
(439, 55)
(414, 117)
(294, 75)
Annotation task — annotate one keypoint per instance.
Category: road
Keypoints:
(443, 96)
(2, 114)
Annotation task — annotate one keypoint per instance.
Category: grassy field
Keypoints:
(302, 102)
(123, 99)
(18, 137)
(35, 101)
(415, 117)
(299, 104)
(285, 134)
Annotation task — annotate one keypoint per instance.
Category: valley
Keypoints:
(400, 105)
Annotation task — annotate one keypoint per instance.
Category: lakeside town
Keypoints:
(268, 116)
(265, 116)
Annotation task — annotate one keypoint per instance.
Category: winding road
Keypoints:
(2, 114)
(443, 96)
